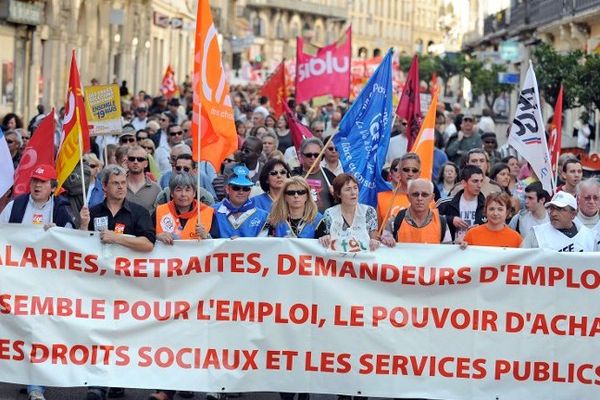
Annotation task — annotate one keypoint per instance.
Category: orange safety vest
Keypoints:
(167, 222)
(384, 199)
(429, 233)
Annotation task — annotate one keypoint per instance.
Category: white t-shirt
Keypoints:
(468, 208)
(526, 221)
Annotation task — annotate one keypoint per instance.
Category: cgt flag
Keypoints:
(212, 118)
(168, 86)
(276, 90)
(409, 106)
(364, 134)
(425, 142)
(75, 128)
(39, 150)
(528, 134)
(327, 72)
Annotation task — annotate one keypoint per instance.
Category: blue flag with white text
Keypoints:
(7, 172)
(364, 134)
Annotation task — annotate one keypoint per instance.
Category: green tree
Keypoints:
(553, 69)
(484, 81)
(590, 76)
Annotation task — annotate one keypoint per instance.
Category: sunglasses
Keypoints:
(9, 141)
(149, 148)
(178, 133)
(420, 194)
(310, 155)
(489, 141)
(404, 123)
(127, 140)
(300, 192)
(331, 148)
(467, 120)
(179, 168)
(413, 170)
(282, 172)
(138, 159)
(228, 160)
(93, 165)
(237, 188)
(319, 130)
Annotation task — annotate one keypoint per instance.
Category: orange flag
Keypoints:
(75, 128)
(424, 143)
(212, 119)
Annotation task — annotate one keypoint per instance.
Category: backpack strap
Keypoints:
(398, 221)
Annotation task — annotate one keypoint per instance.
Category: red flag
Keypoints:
(212, 118)
(168, 86)
(409, 106)
(39, 150)
(275, 89)
(298, 130)
(326, 72)
(555, 142)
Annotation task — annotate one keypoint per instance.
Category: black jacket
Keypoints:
(450, 207)
(61, 213)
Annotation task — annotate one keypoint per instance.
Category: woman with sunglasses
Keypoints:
(95, 194)
(295, 214)
(272, 178)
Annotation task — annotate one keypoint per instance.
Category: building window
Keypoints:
(279, 30)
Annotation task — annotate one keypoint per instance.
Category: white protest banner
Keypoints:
(528, 132)
(284, 315)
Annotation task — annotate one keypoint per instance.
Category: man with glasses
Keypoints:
(588, 200)
(184, 164)
(467, 138)
(418, 223)
(317, 128)
(319, 179)
(141, 117)
(250, 154)
(564, 232)
(140, 189)
(164, 121)
(127, 136)
(15, 144)
(162, 153)
(237, 215)
(398, 142)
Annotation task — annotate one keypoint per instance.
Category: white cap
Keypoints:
(563, 199)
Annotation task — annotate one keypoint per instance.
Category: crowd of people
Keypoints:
(143, 186)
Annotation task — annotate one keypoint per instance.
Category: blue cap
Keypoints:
(240, 176)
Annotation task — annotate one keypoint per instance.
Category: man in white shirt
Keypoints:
(398, 143)
(141, 117)
(535, 210)
(564, 233)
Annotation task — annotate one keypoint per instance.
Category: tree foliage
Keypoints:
(484, 80)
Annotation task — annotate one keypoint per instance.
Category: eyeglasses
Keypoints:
(413, 170)
(319, 130)
(179, 168)
(9, 141)
(404, 123)
(300, 192)
(310, 155)
(282, 172)
(149, 148)
(93, 165)
(589, 198)
(177, 133)
(489, 141)
(229, 160)
(331, 148)
(237, 188)
(138, 159)
(186, 130)
(127, 140)
(420, 194)
(468, 120)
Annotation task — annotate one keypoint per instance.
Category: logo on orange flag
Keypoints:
(212, 119)
(168, 86)
(75, 128)
(425, 141)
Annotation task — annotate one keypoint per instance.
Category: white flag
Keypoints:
(7, 171)
(528, 132)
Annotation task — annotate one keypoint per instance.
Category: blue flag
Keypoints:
(364, 134)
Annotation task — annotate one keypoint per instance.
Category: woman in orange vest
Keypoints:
(178, 219)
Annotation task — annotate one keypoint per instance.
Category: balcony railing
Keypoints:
(530, 14)
(307, 7)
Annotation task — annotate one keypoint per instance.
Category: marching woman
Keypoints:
(271, 179)
(295, 213)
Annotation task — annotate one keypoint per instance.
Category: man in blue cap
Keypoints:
(237, 215)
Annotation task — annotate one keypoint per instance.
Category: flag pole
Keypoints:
(198, 162)
(314, 164)
(83, 189)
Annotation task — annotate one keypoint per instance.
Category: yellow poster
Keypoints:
(103, 109)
